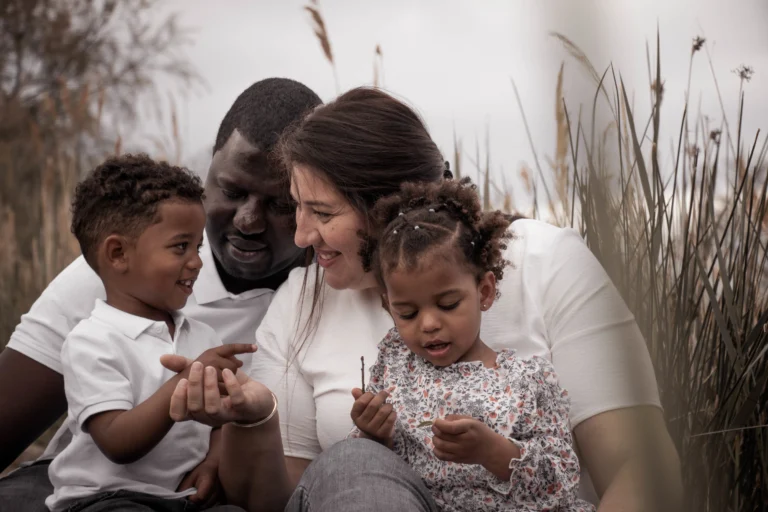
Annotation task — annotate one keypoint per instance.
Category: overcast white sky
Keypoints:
(453, 60)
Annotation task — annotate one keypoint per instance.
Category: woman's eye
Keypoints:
(449, 307)
(322, 215)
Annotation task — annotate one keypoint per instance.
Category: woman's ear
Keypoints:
(487, 290)
(114, 252)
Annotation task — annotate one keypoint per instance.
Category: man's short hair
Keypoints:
(264, 110)
(122, 196)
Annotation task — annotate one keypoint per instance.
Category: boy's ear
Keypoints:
(114, 253)
(487, 289)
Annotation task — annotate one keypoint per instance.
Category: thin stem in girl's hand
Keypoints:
(362, 372)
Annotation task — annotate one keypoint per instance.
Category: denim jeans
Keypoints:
(26, 488)
(359, 474)
(129, 501)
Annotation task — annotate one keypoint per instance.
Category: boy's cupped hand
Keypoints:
(373, 415)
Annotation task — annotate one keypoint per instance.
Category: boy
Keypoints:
(140, 225)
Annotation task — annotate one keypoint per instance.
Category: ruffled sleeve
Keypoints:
(547, 473)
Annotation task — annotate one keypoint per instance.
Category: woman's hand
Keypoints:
(198, 398)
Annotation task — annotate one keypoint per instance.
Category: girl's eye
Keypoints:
(407, 316)
(450, 306)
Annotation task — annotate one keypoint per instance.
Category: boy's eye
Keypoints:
(181, 246)
(448, 307)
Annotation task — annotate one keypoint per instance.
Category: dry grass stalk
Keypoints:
(318, 25)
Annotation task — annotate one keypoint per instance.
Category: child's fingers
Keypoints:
(373, 407)
(211, 391)
(178, 409)
(233, 349)
(388, 428)
(454, 427)
(443, 455)
(444, 446)
(380, 417)
(357, 393)
(361, 404)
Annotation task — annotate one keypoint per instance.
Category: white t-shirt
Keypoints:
(556, 302)
(69, 298)
(111, 361)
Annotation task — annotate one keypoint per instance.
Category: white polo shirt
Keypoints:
(69, 298)
(111, 361)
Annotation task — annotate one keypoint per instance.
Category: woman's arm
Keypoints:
(253, 470)
(631, 459)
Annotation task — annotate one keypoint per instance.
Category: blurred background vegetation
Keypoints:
(681, 229)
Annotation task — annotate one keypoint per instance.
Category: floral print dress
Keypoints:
(519, 399)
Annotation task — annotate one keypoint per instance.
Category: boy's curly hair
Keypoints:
(426, 217)
(122, 196)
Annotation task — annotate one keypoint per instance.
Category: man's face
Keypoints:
(250, 217)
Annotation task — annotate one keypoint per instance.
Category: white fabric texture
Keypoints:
(69, 298)
(556, 302)
(111, 361)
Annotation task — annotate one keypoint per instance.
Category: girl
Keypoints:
(484, 430)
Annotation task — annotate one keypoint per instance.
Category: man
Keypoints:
(248, 253)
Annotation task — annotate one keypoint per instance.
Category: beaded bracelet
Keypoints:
(262, 421)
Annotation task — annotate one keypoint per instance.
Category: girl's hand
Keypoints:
(373, 416)
(465, 440)
(198, 398)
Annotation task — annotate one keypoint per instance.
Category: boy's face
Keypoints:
(437, 309)
(250, 216)
(163, 262)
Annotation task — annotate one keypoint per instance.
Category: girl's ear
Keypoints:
(487, 290)
(114, 253)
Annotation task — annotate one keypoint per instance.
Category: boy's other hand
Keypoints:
(373, 416)
(204, 478)
(218, 357)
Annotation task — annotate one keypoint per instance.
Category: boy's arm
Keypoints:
(127, 436)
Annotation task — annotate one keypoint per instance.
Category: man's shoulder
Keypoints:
(78, 282)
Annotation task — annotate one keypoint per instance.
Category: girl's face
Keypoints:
(327, 222)
(437, 308)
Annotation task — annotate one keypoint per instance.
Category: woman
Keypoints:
(556, 302)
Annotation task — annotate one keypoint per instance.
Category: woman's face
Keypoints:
(327, 222)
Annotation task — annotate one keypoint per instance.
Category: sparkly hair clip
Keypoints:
(415, 227)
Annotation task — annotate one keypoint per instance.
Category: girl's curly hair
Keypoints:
(425, 217)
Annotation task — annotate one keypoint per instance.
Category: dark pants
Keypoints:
(129, 501)
(26, 489)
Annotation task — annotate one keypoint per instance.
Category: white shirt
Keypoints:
(111, 361)
(69, 298)
(556, 302)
